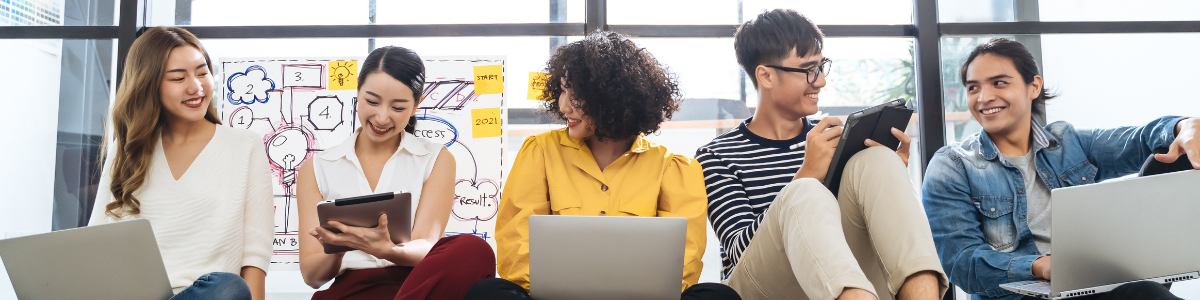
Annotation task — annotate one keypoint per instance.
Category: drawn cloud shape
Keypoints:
(249, 87)
(476, 200)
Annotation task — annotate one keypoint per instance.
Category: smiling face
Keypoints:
(579, 126)
(186, 85)
(791, 93)
(998, 97)
(385, 105)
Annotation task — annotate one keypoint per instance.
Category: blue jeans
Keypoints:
(216, 285)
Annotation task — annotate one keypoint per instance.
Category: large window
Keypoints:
(1111, 62)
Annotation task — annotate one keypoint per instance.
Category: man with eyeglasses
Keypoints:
(783, 234)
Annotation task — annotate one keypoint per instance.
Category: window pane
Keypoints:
(707, 67)
(825, 12)
(480, 11)
(1113, 10)
(57, 13)
(727, 11)
(258, 12)
(60, 96)
(358, 12)
(867, 71)
(1091, 95)
(672, 12)
(950, 11)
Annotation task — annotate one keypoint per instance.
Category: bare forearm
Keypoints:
(409, 255)
(319, 268)
(256, 279)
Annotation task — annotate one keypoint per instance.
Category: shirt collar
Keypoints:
(640, 145)
(1041, 139)
(408, 143)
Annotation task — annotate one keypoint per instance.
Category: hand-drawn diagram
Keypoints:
(301, 106)
(444, 116)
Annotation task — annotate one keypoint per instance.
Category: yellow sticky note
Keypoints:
(537, 84)
(489, 79)
(485, 122)
(343, 75)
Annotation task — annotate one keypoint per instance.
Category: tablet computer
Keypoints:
(873, 123)
(364, 211)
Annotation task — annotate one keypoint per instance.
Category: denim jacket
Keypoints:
(976, 201)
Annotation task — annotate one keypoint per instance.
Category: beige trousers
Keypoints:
(812, 245)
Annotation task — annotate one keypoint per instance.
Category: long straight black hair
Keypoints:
(401, 63)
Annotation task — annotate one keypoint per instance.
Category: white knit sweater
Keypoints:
(216, 218)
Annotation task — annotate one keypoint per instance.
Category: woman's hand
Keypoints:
(375, 241)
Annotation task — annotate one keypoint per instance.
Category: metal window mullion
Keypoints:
(927, 62)
(130, 23)
(595, 16)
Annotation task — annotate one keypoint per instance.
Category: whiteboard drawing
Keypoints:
(302, 105)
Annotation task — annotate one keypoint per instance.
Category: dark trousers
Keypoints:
(500, 289)
(451, 266)
(1141, 290)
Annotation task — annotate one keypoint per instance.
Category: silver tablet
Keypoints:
(364, 211)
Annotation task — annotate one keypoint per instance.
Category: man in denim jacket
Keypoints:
(988, 197)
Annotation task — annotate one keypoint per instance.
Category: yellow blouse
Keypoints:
(556, 174)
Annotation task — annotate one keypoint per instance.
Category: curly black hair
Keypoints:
(618, 85)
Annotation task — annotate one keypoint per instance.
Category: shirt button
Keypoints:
(993, 209)
(603, 188)
(1083, 178)
(1022, 217)
(602, 213)
(1021, 191)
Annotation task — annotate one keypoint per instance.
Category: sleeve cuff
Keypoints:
(1021, 268)
(1168, 135)
(257, 262)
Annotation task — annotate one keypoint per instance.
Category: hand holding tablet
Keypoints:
(360, 223)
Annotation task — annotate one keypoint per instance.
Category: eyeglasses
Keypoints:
(824, 67)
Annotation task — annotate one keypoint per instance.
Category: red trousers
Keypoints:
(447, 272)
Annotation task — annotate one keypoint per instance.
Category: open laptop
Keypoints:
(112, 261)
(592, 257)
(1116, 232)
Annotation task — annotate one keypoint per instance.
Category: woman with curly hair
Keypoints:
(611, 93)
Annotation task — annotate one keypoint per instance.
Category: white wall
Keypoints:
(1108, 80)
(29, 124)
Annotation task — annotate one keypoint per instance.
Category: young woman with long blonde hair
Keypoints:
(205, 188)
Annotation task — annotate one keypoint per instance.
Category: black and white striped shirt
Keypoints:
(742, 173)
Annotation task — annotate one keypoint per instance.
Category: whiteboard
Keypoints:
(301, 106)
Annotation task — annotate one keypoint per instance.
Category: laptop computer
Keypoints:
(593, 257)
(112, 261)
(1116, 232)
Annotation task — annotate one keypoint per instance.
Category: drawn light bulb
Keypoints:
(286, 150)
(341, 71)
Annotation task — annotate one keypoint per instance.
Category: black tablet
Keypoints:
(364, 211)
(874, 123)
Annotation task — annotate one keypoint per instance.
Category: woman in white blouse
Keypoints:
(205, 188)
(385, 156)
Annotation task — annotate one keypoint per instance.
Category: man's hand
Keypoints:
(1041, 267)
(902, 151)
(820, 144)
(1187, 141)
(375, 241)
